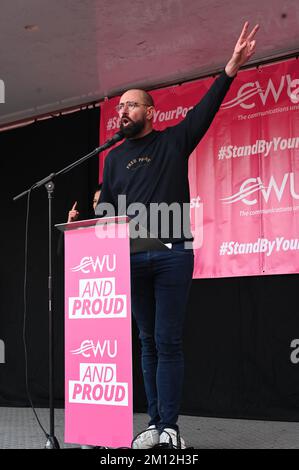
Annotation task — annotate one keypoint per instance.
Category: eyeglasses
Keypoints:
(130, 104)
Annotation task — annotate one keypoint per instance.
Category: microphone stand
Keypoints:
(52, 442)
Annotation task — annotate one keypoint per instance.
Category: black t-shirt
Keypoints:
(153, 170)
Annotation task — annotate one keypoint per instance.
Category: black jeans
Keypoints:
(160, 284)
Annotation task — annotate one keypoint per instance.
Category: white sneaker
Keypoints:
(146, 439)
(169, 438)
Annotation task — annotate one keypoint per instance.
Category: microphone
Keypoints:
(115, 138)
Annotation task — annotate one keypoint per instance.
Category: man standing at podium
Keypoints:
(151, 167)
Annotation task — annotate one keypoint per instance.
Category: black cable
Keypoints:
(25, 313)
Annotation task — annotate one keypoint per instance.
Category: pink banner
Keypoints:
(98, 361)
(244, 173)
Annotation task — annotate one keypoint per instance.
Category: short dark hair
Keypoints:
(148, 98)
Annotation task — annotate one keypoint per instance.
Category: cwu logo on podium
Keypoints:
(2, 91)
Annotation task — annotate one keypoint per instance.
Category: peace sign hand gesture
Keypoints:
(244, 49)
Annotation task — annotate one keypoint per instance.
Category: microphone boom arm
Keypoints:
(116, 138)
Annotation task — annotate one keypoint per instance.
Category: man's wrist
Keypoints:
(231, 69)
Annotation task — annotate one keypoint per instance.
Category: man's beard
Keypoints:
(133, 128)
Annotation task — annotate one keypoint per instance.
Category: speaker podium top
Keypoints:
(145, 241)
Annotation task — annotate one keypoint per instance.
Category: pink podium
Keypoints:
(98, 352)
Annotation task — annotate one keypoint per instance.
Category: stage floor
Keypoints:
(20, 430)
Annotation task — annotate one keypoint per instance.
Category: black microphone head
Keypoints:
(117, 136)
